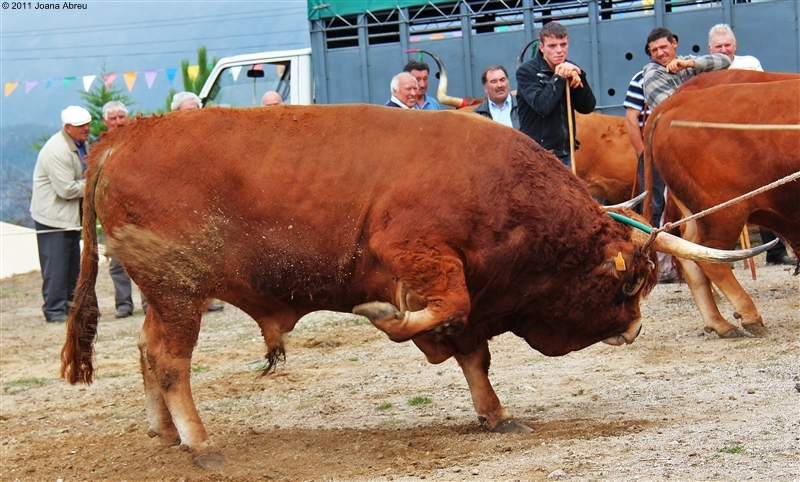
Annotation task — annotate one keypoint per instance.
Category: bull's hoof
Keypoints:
(510, 426)
(756, 329)
(733, 332)
(166, 440)
(209, 461)
(376, 310)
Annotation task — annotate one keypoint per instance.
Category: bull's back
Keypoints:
(289, 195)
(705, 166)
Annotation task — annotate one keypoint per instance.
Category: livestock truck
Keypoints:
(358, 46)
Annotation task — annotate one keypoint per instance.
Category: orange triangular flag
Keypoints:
(10, 86)
(130, 79)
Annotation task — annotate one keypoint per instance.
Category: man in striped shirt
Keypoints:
(667, 71)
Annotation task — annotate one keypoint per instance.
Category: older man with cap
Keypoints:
(56, 208)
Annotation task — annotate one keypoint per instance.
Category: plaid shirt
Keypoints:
(660, 84)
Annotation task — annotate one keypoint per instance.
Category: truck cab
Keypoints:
(241, 80)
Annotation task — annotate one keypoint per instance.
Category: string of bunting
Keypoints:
(129, 78)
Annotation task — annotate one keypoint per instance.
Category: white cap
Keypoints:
(75, 116)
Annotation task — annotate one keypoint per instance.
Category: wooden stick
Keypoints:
(571, 133)
(741, 243)
(746, 236)
(740, 127)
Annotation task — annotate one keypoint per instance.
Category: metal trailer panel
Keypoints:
(610, 50)
(769, 31)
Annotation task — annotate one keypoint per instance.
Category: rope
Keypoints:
(46, 231)
(740, 127)
(713, 209)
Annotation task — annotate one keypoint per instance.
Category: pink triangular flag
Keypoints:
(130, 79)
(30, 84)
(109, 78)
(150, 77)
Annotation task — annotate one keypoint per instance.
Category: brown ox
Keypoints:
(704, 167)
(286, 210)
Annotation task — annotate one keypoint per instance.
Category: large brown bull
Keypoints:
(705, 166)
(287, 210)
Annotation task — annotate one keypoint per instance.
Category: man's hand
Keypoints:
(570, 72)
(675, 65)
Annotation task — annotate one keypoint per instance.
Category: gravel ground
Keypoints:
(351, 405)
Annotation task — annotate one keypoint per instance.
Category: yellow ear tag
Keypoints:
(620, 262)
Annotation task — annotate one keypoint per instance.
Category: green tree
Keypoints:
(196, 85)
(98, 96)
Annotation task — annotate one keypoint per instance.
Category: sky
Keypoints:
(40, 48)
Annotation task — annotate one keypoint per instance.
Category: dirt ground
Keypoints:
(349, 404)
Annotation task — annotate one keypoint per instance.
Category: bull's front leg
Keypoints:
(167, 365)
(476, 370)
(434, 290)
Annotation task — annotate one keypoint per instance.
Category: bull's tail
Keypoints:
(78, 350)
(647, 209)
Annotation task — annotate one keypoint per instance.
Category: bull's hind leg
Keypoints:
(744, 308)
(158, 417)
(700, 285)
(167, 353)
(476, 370)
(436, 276)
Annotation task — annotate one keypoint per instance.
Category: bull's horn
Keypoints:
(627, 204)
(521, 56)
(667, 243)
(441, 92)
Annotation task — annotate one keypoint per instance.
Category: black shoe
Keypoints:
(782, 259)
(57, 319)
(215, 306)
(123, 312)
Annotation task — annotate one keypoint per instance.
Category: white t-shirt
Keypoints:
(745, 62)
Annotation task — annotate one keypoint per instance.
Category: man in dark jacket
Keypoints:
(499, 104)
(541, 92)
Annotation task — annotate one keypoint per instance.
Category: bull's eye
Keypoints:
(632, 288)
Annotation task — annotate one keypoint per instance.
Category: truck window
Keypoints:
(243, 86)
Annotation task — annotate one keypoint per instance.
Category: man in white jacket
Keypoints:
(56, 208)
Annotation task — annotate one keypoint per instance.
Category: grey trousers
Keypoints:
(60, 260)
(123, 290)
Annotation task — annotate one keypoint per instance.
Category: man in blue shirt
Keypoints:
(420, 71)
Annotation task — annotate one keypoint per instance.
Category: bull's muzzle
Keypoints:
(628, 337)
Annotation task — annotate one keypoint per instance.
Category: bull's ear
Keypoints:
(618, 259)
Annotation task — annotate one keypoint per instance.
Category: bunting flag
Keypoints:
(10, 86)
(109, 78)
(130, 79)
(171, 75)
(87, 82)
(150, 77)
(193, 70)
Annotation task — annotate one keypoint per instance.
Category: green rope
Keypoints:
(420, 57)
(635, 224)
